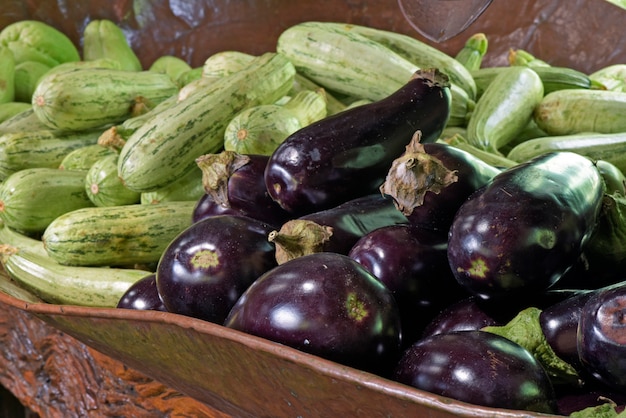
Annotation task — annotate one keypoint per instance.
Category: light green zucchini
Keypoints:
(103, 38)
(84, 157)
(45, 148)
(87, 98)
(187, 188)
(504, 109)
(170, 65)
(333, 104)
(261, 129)
(473, 51)
(27, 75)
(32, 198)
(189, 76)
(9, 236)
(103, 186)
(77, 65)
(165, 147)
(99, 287)
(572, 111)
(7, 75)
(597, 146)
(612, 77)
(23, 121)
(116, 236)
(223, 63)
(10, 109)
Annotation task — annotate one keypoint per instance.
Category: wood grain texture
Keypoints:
(55, 375)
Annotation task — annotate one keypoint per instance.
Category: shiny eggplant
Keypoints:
(479, 368)
(429, 182)
(602, 336)
(143, 295)
(336, 229)
(325, 304)
(464, 315)
(235, 184)
(412, 262)
(205, 269)
(348, 154)
(522, 231)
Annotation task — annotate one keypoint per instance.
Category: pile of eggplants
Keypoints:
(363, 240)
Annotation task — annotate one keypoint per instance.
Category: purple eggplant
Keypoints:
(347, 155)
(412, 262)
(234, 184)
(467, 314)
(479, 368)
(205, 269)
(522, 231)
(336, 229)
(325, 304)
(602, 336)
(142, 295)
(429, 182)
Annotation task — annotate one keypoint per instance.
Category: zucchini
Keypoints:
(505, 108)
(10, 109)
(116, 236)
(66, 285)
(473, 51)
(45, 148)
(77, 65)
(597, 146)
(84, 157)
(9, 236)
(87, 98)
(32, 198)
(333, 104)
(612, 77)
(7, 75)
(103, 186)
(223, 63)
(27, 75)
(102, 38)
(572, 111)
(25, 120)
(165, 147)
(170, 65)
(187, 188)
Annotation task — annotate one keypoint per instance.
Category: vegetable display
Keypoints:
(355, 194)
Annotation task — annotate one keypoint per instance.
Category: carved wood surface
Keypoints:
(54, 375)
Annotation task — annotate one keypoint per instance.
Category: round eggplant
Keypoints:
(348, 154)
(142, 295)
(465, 315)
(325, 304)
(602, 336)
(479, 368)
(205, 269)
(521, 232)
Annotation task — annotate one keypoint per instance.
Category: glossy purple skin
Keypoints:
(142, 295)
(348, 154)
(208, 266)
(465, 315)
(413, 264)
(602, 336)
(480, 368)
(354, 219)
(526, 228)
(559, 323)
(438, 209)
(324, 304)
(247, 196)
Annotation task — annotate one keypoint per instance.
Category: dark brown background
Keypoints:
(584, 34)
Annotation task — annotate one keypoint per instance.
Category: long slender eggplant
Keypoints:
(234, 184)
(429, 182)
(336, 229)
(520, 233)
(348, 154)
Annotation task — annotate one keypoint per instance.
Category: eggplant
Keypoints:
(602, 336)
(429, 182)
(324, 304)
(205, 269)
(412, 262)
(234, 184)
(336, 229)
(522, 231)
(479, 368)
(464, 315)
(348, 154)
(142, 295)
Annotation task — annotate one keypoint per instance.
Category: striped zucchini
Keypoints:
(104, 187)
(116, 236)
(103, 39)
(25, 120)
(87, 98)
(187, 188)
(333, 104)
(84, 157)
(67, 285)
(7, 75)
(170, 65)
(45, 148)
(504, 109)
(32, 198)
(572, 111)
(597, 146)
(164, 148)
(27, 76)
(611, 77)
(223, 63)
(10, 109)
(77, 65)
(473, 51)
(9, 236)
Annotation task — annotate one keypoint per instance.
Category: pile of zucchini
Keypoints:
(98, 155)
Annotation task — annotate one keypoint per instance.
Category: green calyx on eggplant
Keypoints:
(348, 154)
(430, 181)
(521, 232)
